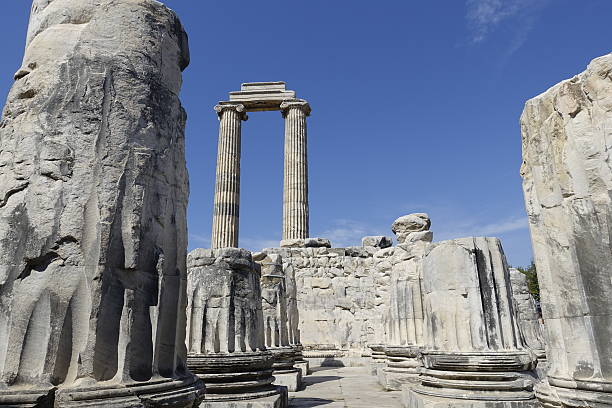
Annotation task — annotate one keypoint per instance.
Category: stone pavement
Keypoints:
(347, 387)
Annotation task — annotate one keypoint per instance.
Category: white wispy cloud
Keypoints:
(257, 244)
(344, 232)
(475, 228)
(198, 241)
(485, 16)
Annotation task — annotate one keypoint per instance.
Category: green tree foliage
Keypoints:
(532, 280)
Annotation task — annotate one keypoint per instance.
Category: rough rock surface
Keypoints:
(93, 195)
(377, 241)
(405, 315)
(408, 224)
(226, 331)
(274, 301)
(530, 324)
(341, 294)
(567, 181)
(404, 318)
(224, 312)
(306, 243)
(470, 324)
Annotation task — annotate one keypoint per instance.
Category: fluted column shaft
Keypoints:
(295, 198)
(227, 188)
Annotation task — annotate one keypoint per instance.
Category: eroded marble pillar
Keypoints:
(226, 211)
(405, 314)
(276, 330)
(567, 180)
(295, 198)
(473, 354)
(225, 331)
(93, 229)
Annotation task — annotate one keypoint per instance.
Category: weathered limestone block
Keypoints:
(530, 325)
(378, 359)
(306, 243)
(567, 180)
(274, 307)
(93, 196)
(378, 241)
(225, 330)
(405, 309)
(473, 353)
(409, 224)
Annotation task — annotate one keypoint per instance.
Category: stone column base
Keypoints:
(285, 373)
(303, 366)
(412, 399)
(237, 378)
(473, 379)
(27, 398)
(300, 363)
(401, 367)
(292, 379)
(557, 397)
(160, 392)
(378, 358)
(392, 380)
(280, 400)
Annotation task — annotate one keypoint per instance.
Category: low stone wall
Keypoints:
(342, 296)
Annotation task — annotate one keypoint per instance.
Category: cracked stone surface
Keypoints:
(567, 180)
(93, 196)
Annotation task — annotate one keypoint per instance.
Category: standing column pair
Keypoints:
(227, 190)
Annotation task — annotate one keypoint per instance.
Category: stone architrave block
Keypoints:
(306, 243)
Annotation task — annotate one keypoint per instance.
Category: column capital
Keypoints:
(238, 107)
(297, 104)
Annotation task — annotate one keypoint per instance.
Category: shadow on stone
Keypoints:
(320, 379)
(308, 402)
(331, 362)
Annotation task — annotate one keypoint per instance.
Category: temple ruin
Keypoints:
(256, 97)
(102, 306)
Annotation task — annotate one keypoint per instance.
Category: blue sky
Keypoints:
(415, 106)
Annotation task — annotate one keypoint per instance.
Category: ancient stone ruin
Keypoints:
(101, 306)
(472, 351)
(225, 326)
(92, 242)
(567, 179)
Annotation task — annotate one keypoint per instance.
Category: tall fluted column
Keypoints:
(227, 188)
(295, 198)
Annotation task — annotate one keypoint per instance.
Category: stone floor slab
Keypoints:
(346, 387)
